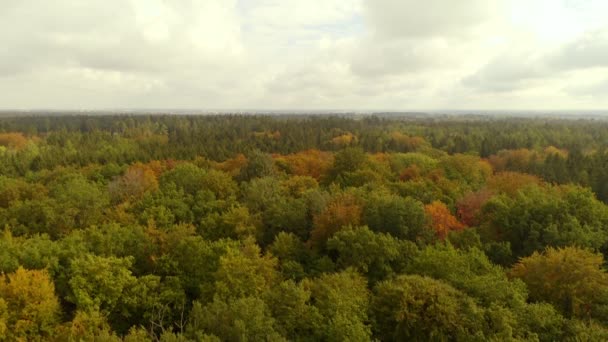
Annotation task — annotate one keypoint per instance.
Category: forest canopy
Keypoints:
(305, 228)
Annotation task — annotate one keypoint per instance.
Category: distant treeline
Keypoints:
(81, 140)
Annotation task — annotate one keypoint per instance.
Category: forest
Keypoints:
(303, 228)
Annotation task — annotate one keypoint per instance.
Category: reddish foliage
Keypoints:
(137, 180)
(409, 173)
(343, 210)
(441, 219)
(470, 205)
(404, 143)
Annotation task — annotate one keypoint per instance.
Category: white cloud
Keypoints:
(385, 54)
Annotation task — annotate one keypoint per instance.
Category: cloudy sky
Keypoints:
(304, 54)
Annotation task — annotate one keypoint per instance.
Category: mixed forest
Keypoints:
(303, 228)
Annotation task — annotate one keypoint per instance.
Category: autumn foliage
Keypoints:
(405, 143)
(29, 297)
(344, 210)
(469, 206)
(513, 159)
(233, 165)
(378, 228)
(344, 140)
(312, 163)
(441, 219)
(570, 278)
(509, 182)
(137, 180)
(14, 140)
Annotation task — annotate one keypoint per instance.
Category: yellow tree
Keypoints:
(33, 309)
(570, 278)
(14, 140)
(313, 163)
(511, 182)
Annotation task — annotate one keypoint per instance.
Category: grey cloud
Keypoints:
(597, 89)
(414, 18)
(98, 35)
(376, 59)
(589, 51)
(42, 35)
(515, 71)
(269, 53)
(97, 53)
(408, 37)
(506, 73)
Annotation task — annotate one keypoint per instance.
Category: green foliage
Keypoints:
(248, 228)
(296, 317)
(470, 271)
(415, 308)
(194, 261)
(79, 201)
(244, 272)
(376, 255)
(401, 217)
(241, 319)
(400, 161)
(342, 299)
(259, 165)
(546, 216)
(348, 164)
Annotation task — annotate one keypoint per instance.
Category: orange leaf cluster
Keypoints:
(137, 180)
(232, 166)
(344, 210)
(441, 219)
(469, 207)
(312, 163)
(515, 159)
(14, 140)
(510, 182)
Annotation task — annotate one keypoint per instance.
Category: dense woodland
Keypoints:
(322, 228)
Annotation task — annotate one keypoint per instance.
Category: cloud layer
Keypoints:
(304, 54)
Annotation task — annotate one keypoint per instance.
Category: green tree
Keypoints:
(403, 218)
(80, 202)
(376, 255)
(469, 271)
(258, 165)
(245, 272)
(342, 299)
(415, 308)
(552, 216)
(240, 319)
(297, 319)
(347, 162)
(100, 283)
(570, 278)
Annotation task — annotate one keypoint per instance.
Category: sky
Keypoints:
(304, 54)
